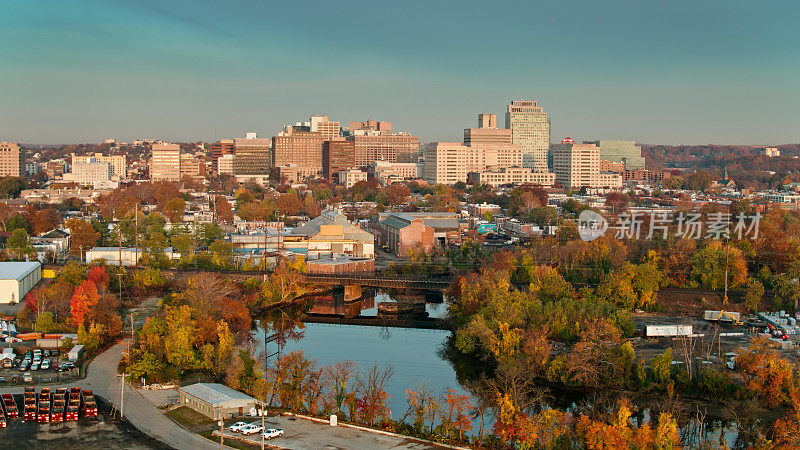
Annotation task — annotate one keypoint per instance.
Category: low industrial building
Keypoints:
(215, 400)
(340, 265)
(131, 256)
(396, 234)
(16, 279)
(331, 234)
(403, 233)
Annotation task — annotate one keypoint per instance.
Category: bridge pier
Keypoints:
(352, 292)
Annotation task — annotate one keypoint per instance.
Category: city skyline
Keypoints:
(682, 73)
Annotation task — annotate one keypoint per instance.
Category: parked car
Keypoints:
(270, 433)
(46, 352)
(46, 364)
(55, 352)
(253, 428)
(27, 377)
(237, 426)
(16, 379)
(24, 366)
(65, 367)
(35, 366)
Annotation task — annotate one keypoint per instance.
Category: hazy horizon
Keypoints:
(677, 73)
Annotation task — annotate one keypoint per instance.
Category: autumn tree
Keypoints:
(458, 405)
(373, 400)
(82, 236)
(397, 193)
(339, 378)
(223, 209)
(710, 263)
(174, 209)
(83, 300)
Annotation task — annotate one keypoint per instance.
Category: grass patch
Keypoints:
(190, 418)
(228, 442)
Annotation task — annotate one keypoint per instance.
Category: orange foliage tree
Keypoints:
(83, 300)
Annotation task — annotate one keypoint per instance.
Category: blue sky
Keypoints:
(690, 72)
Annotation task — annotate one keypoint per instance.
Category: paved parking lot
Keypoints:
(50, 375)
(307, 434)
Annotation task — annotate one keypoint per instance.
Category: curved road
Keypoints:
(103, 379)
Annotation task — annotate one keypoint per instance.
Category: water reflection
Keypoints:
(378, 303)
(425, 356)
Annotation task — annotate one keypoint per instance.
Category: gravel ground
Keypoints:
(104, 432)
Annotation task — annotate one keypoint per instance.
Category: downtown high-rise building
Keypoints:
(530, 131)
(165, 165)
(11, 164)
(337, 155)
(296, 147)
(324, 126)
(578, 165)
(251, 155)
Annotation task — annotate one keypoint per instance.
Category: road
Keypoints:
(102, 378)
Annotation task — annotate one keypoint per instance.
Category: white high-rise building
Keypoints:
(578, 165)
(450, 162)
(530, 131)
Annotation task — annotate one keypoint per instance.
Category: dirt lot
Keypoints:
(104, 432)
(717, 339)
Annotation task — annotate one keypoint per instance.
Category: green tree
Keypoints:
(154, 255)
(222, 254)
(11, 186)
(17, 221)
(660, 367)
(19, 245)
(45, 323)
(753, 293)
(179, 340)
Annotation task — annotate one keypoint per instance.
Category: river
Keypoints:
(413, 354)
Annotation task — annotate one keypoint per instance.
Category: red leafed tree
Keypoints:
(98, 276)
(458, 405)
(83, 300)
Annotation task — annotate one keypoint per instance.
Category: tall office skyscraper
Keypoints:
(530, 131)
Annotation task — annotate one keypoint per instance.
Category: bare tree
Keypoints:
(371, 391)
(339, 379)
(483, 398)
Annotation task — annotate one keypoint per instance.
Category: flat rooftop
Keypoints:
(17, 270)
(214, 393)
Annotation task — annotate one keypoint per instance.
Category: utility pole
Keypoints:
(221, 429)
(119, 231)
(122, 396)
(136, 236)
(263, 413)
(122, 384)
